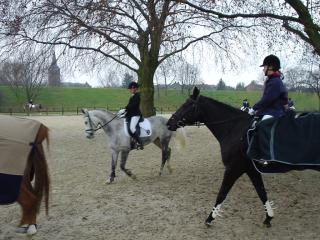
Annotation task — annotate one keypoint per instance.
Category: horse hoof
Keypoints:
(209, 220)
(32, 229)
(170, 169)
(267, 221)
(267, 224)
(110, 180)
(134, 177)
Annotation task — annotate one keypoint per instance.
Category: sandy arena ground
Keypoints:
(171, 207)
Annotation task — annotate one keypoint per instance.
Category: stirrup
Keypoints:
(139, 146)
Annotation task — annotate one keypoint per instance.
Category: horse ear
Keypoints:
(83, 110)
(195, 92)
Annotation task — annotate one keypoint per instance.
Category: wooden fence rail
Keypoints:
(66, 110)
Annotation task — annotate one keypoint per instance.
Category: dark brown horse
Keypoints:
(35, 184)
(229, 126)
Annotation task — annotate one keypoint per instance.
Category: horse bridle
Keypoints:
(181, 122)
(91, 130)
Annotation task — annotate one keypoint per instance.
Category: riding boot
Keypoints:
(138, 141)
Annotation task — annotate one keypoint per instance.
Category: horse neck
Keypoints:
(222, 120)
(105, 117)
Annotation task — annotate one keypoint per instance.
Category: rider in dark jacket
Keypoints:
(275, 94)
(133, 113)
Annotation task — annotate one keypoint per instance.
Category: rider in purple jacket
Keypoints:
(275, 94)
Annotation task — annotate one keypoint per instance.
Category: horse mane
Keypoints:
(228, 107)
(104, 111)
(37, 168)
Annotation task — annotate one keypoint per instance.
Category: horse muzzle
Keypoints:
(89, 134)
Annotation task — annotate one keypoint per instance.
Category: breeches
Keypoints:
(133, 123)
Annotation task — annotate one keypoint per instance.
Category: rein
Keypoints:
(101, 126)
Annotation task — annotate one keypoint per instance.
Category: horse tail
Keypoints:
(38, 168)
(181, 136)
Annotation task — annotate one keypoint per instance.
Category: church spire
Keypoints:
(54, 78)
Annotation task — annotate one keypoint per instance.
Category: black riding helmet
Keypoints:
(273, 61)
(133, 85)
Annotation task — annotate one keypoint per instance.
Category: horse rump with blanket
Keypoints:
(230, 126)
(152, 130)
(24, 174)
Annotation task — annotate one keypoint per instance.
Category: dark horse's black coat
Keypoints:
(229, 126)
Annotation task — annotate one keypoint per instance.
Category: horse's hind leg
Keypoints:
(257, 182)
(124, 157)
(230, 177)
(166, 153)
(29, 204)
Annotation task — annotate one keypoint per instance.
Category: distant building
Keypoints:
(254, 86)
(73, 84)
(54, 78)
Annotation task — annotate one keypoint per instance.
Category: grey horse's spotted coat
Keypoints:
(120, 143)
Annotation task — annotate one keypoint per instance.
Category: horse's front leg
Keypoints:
(231, 175)
(124, 157)
(113, 166)
(257, 182)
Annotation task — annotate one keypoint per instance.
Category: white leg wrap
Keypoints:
(216, 211)
(268, 208)
(32, 229)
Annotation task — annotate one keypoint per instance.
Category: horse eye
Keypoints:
(86, 122)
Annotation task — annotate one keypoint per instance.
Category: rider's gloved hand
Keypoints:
(121, 113)
(251, 111)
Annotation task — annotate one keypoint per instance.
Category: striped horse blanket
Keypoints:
(16, 138)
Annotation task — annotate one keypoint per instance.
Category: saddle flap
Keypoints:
(145, 128)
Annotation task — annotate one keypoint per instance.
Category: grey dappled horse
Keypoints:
(32, 107)
(119, 142)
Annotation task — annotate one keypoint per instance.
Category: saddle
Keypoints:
(143, 128)
(287, 143)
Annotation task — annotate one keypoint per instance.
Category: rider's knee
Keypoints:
(133, 129)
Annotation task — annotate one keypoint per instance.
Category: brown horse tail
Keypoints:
(38, 168)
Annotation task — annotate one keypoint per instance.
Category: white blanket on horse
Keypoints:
(16, 134)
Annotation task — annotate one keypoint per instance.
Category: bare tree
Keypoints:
(109, 79)
(299, 17)
(313, 82)
(240, 86)
(167, 72)
(25, 75)
(138, 34)
(294, 78)
(189, 76)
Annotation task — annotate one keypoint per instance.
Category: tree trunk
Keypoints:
(145, 79)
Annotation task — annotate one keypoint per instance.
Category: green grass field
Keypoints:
(116, 98)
